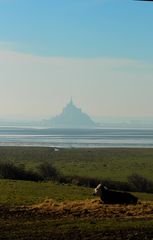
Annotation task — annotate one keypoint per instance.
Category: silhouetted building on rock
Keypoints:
(72, 117)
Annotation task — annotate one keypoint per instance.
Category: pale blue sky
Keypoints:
(100, 52)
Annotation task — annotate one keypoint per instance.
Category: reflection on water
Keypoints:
(14, 136)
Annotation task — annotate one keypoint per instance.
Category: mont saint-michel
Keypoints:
(71, 117)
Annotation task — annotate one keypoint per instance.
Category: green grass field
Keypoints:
(115, 164)
(14, 193)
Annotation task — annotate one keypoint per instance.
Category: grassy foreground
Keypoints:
(17, 193)
(49, 210)
(45, 211)
(47, 229)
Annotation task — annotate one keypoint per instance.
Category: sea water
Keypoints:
(69, 138)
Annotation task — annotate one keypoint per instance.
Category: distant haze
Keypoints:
(98, 52)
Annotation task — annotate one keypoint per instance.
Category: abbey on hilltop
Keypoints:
(72, 117)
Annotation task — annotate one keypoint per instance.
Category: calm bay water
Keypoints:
(26, 136)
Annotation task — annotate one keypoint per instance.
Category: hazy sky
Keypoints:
(100, 52)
